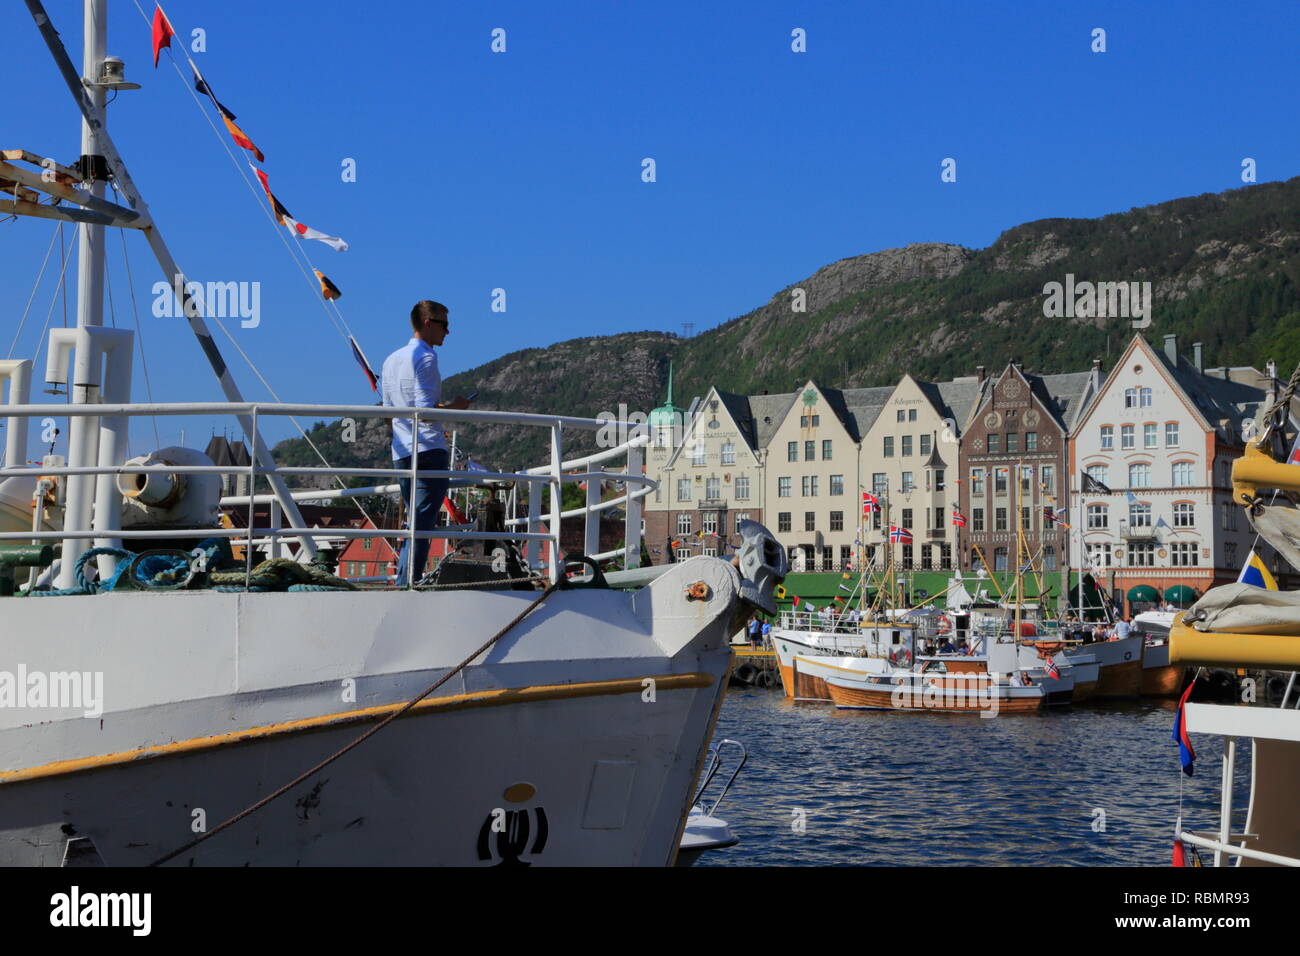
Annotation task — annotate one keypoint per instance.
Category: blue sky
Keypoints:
(522, 170)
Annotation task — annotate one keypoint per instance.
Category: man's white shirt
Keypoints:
(410, 379)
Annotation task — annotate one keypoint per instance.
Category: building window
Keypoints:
(729, 453)
(889, 446)
(995, 444)
(828, 558)
(697, 454)
(846, 556)
(901, 416)
(1098, 517)
(837, 485)
(1142, 554)
(938, 518)
(837, 520)
(907, 518)
(945, 557)
(683, 489)
(826, 449)
(742, 488)
(907, 445)
(810, 521)
(1230, 554)
(783, 521)
(1000, 519)
(907, 557)
(712, 488)
(1098, 473)
(1145, 395)
(977, 481)
(1049, 558)
(999, 559)
(1027, 479)
(1031, 441)
(938, 479)
(1026, 518)
(783, 487)
(1184, 514)
(1139, 476)
(1149, 436)
(682, 553)
(1184, 554)
(875, 520)
(925, 444)
(792, 451)
(1000, 481)
(1171, 434)
(709, 552)
(926, 564)
(1107, 437)
(684, 523)
(810, 451)
(908, 483)
(911, 414)
(740, 517)
(810, 421)
(709, 522)
(1130, 398)
(1183, 474)
(1049, 479)
(367, 543)
(977, 519)
(809, 486)
(879, 483)
(1139, 515)
(1013, 443)
(1126, 437)
(1099, 555)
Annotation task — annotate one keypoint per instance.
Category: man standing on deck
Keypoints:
(411, 380)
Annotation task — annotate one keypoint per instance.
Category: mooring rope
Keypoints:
(254, 807)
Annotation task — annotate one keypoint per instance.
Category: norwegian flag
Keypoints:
(958, 518)
(1053, 515)
(1053, 671)
(900, 535)
(870, 503)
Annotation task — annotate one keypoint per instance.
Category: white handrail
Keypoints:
(553, 476)
(1231, 849)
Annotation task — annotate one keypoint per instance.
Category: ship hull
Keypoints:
(588, 757)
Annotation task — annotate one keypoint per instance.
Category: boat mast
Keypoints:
(90, 282)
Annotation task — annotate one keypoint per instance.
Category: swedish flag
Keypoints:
(1254, 572)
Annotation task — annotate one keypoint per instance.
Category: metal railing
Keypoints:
(539, 528)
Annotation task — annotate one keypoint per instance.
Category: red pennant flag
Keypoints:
(796, 601)
(453, 513)
(162, 33)
(1180, 855)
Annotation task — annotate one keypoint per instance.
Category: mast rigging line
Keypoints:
(40, 274)
(295, 249)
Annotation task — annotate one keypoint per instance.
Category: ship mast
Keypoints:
(100, 159)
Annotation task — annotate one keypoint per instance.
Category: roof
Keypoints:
(223, 452)
(767, 412)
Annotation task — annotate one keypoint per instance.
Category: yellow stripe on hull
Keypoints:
(487, 698)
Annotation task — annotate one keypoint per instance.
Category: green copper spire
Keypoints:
(667, 413)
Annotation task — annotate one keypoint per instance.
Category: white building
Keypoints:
(1161, 435)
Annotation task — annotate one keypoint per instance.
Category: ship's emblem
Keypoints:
(506, 834)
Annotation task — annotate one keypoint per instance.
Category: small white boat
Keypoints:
(705, 830)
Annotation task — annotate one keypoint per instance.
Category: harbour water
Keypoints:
(898, 789)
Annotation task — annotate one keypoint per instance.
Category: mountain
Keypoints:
(1224, 270)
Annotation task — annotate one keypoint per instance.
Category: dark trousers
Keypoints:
(429, 493)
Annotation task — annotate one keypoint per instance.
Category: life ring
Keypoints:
(1128, 655)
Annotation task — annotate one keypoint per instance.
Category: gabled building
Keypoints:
(910, 454)
(1161, 436)
(708, 484)
(1015, 464)
(813, 478)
